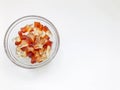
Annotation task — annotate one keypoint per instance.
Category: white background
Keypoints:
(89, 54)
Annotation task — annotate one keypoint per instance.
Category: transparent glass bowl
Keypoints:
(12, 32)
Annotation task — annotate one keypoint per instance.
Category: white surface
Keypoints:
(89, 54)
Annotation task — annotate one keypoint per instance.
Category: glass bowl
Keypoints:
(12, 32)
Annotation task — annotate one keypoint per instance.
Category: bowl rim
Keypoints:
(47, 61)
